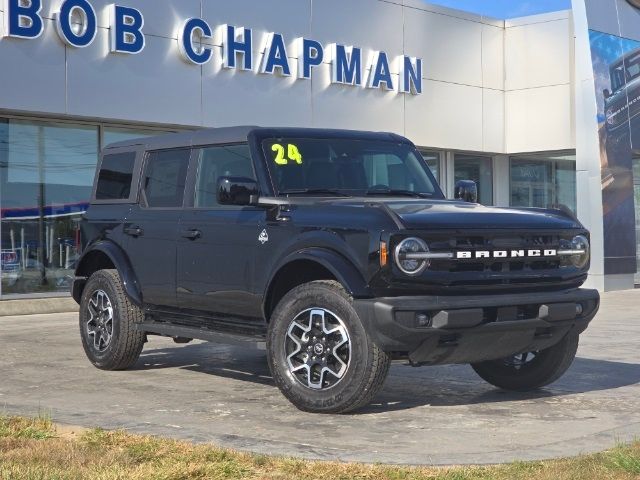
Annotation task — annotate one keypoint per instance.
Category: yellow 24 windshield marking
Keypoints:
(293, 154)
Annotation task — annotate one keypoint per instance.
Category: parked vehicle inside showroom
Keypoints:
(337, 250)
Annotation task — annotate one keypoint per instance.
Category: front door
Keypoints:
(217, 243)
(152, 226)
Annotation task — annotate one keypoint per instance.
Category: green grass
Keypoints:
(36, 449)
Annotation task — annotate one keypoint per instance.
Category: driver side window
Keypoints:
(216, 162)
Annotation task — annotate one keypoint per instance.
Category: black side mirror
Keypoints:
(466, 190)
(607, 93)
(237, 191)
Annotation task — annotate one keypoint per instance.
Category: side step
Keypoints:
(171, 330)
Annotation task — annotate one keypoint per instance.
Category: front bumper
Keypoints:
(467, 329)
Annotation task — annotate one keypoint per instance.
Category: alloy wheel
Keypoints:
(318, 348)
(100, 323)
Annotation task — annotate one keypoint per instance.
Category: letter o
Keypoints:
(68, 31)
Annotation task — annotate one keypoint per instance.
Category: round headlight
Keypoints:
(405, 256)
(580, 244)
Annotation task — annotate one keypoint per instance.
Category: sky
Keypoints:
(505, 8)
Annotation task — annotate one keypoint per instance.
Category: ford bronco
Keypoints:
(334, 250)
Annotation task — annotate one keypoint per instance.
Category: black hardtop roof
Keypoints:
(226, 135)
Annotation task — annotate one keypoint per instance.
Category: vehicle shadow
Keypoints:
(406, 387)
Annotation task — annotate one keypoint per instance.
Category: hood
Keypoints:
(444, 214)
(417, 214)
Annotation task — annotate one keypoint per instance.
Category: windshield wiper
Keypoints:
(396, 193)
(314, 191)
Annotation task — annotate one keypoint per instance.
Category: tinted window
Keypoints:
(114, 180)
(216, 162)
(164, 177)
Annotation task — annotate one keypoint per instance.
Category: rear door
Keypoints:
(152, 225)
(217, 243)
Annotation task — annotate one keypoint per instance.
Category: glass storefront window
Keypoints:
(433, 160)
(479, 169)
(46, 175)
(543, 181)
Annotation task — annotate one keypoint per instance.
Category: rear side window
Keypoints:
(114, 179)
(165, 176)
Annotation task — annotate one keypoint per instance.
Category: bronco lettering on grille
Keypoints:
(507, 253)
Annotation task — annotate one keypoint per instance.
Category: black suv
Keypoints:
(337, 249)
(622, 102)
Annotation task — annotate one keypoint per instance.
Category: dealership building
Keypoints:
(540, 111)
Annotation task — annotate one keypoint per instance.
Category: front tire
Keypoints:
(108, 320)
(319, 353)
(532, 370)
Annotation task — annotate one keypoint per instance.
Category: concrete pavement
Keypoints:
(432, 415)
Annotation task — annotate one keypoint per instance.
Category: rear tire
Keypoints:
(319, 353)
(108, 320)
(531, 370)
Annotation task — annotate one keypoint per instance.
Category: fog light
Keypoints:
(423, 320)
(579, 309)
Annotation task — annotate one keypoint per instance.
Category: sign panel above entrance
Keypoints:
(76, 23)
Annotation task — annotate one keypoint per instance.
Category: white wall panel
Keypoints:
(538, 55)
(338, 106)
(451, 48)
(291, 18)
(493, 57)
(236, 97)
(153, 86)
(492, 121)
(32, 73)
(369, 24)
(539, 119)
(445, 116)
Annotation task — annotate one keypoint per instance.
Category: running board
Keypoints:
(172, 330)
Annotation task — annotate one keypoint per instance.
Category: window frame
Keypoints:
(192, 178)
(144, 204)
(139, 151)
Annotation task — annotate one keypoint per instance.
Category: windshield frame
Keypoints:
(258, 136)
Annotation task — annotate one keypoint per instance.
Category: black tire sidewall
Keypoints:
(549, 365)
(349, 388)
(105, 359)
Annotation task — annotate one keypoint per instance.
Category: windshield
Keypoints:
(342, 166)
(622, 73)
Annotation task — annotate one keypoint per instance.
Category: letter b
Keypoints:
(22, 18)
(125, 29)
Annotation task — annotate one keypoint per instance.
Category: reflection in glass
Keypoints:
(433, 160)
(543, 181)
(46, 173)
(479, 169)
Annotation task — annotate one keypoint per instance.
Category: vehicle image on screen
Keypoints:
(622, 102)
(334, 250)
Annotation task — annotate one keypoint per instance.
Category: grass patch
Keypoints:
(34, 449)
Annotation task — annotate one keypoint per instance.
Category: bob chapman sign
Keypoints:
(76, 24)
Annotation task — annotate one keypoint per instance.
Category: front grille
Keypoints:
(511, 273)
(495, 242)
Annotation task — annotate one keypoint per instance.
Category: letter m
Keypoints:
(346, 64)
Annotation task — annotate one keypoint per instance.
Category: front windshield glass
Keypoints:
(342, 166)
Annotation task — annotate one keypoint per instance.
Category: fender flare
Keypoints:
(340, 267)
(122, 265)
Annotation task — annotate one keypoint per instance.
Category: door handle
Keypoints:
(192, 234)
(133, 231)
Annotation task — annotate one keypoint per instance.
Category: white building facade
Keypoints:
(511, 104)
